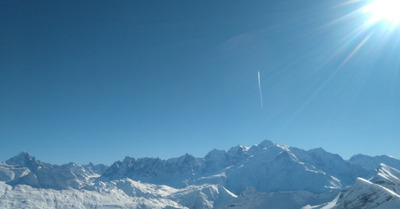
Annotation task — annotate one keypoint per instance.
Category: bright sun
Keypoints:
(388, 10)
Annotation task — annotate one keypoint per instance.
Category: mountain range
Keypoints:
(266, 175)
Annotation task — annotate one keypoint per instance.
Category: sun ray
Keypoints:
(374, 23)
(356, 49)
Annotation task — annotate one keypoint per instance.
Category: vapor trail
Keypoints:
(259, 89)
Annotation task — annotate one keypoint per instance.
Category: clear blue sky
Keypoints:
(94, 81)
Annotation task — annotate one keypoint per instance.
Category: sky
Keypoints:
(95, 81)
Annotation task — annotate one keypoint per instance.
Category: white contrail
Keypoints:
(259, 89)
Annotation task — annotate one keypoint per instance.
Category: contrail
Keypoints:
(259, 89)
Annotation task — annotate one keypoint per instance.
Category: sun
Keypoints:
(384, 10)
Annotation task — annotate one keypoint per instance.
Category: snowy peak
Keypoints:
(128, 160)
(332, 164)
(237, 154)
(216, 157)
(97, 169)
(388, 173)
(267, 143)
(372, 163)
(184, 163)
(377, 193)
(365, 194)
(23, 159)
(320, 152)
(177, 172)
(388, 177)
(25, 169)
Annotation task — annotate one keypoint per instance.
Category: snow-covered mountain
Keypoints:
(176, 172)
(266, 175)
(124, 193)
(25, 169)
(273, 168)
(379, 192)
(372, 163)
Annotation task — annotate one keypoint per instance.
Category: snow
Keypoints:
(328, 205)
(219, 175)
(24, 196)
(379, 192)
(115, 194)
(365, 194)
(272, 167)
(267, 175)
(388, 177)
(252, 198)
(372, 163)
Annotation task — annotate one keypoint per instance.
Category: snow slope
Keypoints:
(365, 194)
(124, 193)
(251, 198)
(24, 196)
(380, 192)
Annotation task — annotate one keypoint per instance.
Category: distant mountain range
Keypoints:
(266, 175)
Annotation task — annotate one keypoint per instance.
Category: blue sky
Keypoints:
(94, 81)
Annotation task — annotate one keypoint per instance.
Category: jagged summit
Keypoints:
(128, 159)
(22, 159)
(267, 143)
(25, 169)
(369, 162)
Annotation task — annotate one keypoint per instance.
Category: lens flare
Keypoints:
(384, 10)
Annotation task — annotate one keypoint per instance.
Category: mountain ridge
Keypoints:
(189, 169)
(270, 174)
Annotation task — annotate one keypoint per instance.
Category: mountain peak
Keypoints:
(186, 158)
(22, 159)
(128, 159)
(267, 143)
(319, 150)
(387, 174)
(215, 153)
(373, 163)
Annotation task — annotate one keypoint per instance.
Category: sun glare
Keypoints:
(387, 10)
(372, 25)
